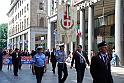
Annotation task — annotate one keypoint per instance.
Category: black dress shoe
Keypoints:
(15, 74)
(54, 71)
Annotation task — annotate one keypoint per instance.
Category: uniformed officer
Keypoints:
(39, 64)
(62, 67)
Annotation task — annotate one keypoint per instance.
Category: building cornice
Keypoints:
(12, 6)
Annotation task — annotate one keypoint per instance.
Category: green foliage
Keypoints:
(3, 35)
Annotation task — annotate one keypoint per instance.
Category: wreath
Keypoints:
(65, 27)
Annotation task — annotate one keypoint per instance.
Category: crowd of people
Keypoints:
(99, 63)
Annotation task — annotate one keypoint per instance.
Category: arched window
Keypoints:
(41, 22)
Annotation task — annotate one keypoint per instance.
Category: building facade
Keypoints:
(27, 27)
(97, 20)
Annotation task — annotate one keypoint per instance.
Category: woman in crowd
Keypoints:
(10, 55)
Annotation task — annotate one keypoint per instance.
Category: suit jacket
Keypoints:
(99, 71)
(76, 58)
(16, 60)
(53, 57)
(48, 54)
(1, 55)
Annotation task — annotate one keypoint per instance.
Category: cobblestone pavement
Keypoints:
(25, 75)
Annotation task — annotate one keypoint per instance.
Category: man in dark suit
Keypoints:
(100, 65)
(1, 55)
(81, 61)
(53, 59)
(16, 60)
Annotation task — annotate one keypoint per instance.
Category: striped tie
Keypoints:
(106, 61)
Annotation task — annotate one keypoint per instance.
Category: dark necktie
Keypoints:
(106, 61)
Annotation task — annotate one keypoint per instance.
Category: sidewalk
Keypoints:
(25, 75)
(118, 70)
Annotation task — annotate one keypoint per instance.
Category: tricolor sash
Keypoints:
(82, 57)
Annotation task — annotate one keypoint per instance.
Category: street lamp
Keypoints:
(102, 20)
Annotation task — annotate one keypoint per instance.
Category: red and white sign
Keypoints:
(99, 39)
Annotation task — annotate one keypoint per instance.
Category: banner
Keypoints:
(66, 23)
(24, 60)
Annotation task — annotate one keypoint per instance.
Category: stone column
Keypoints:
(119, 31)
(90, 29)
(71, 48)
(49, 36)
(23, 42)
(49, 27)
(82, 28)
(52, 36)
(31, 40)
(66, 49)
(12, 43)
(18, 42)
(14, 40)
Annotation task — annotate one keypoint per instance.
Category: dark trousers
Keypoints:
(15, 68)
(80, 72)
(0, 64)
(48, 59)
(62, 68)
(53, 65)
(39, 71)
(20, 65)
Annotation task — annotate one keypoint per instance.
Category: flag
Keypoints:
(69, 1)
(25, 41)
(68, 11)
(20, 41)
(9, 44)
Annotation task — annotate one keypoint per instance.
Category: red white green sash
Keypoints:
(82, 57)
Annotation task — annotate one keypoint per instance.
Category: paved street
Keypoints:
(25, 75)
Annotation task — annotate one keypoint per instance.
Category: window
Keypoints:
(20, 2)
(22, 11)
(41, 22)
(24, 23)
(22, 26)
(18, 27)
(18, 5)
(27, 7)
(27, 22)
(15, 17)
(62, 1)
(18, 15)
(13, 20)
(15, 8)
(41, 7)
(36, 38)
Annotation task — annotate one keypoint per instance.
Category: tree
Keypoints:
(3, 35)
